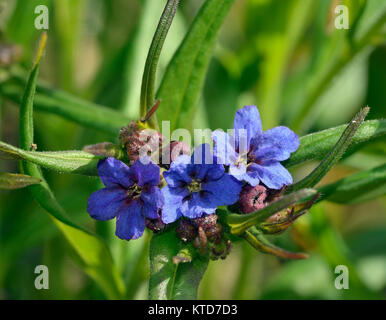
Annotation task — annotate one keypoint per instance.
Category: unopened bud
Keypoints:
(105, 149)
(140, 141)
(186, 231)
(252, 198)
(173, 150)
(155, 225)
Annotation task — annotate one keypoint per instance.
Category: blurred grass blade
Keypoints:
(92, 251)
(149, 74)
(257, 240)
(369, 24)
(356, 188)
(170, 281)
(181, 86)
(61, 161)
(239, 223)
(333, 156)
(314, 146)
(66, 105)
(68, 24)
(12, 181)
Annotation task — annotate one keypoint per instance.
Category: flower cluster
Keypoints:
(243, 170)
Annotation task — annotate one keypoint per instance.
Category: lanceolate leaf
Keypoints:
(149, 75)
(16, 181)
(315, 146)
(333, 156)
(257, 240)
(68, 106)
(356, 188)
(181, 85)
(168, 280)
(93, 253)
(239, 223)
(62, 161)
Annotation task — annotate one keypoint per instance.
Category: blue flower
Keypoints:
(197, 185)
(253, 155)
(131, 195)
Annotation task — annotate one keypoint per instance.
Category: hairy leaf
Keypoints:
(333, 156)
(356, 188)
(149, 75)
(257, 240)
(66, 105)
(62, 161)
(239, 223)
(314, 146)
(181, 85)
(16, 181)
(93, 253)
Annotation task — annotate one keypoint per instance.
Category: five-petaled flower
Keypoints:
(253, 155)
(131, 195)
(197, 185)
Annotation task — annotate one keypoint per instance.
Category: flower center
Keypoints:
(134, 192)
(194, 186)
(242, 159)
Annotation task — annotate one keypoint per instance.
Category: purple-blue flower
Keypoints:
(197, 185)
(253, 155)
(131, 195)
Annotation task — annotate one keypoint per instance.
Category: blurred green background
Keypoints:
(283, 56)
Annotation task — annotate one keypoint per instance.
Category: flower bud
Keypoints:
(173, 150)
(155, 225)
(106, 149)
(252, 198)
(140, 141)
(186, 231)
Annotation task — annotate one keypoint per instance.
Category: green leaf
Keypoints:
(62, 161)
(95, 256)
(12, 181)
(184, 77)
(314, 146)
(149, 74)
(257, 240)
(239, 223)
(356, 188)
(333, 156)
(170, 281)
(66, 105)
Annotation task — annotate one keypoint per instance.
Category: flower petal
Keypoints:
(130, 223)
(114, 172)
(273, 174)
(173, 199)
(225, 191)
(238, 171)
(105, 203)
(177, 176)
(205, 165)
(202, 155)
(153, 200)
(252, 175)
(224, 147)
(276, 144)
(247, 118)
(197, 205)
(145, 172)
